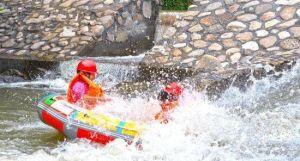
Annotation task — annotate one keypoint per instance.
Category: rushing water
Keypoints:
(261, 124)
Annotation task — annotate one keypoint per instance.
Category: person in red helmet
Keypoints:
(82, 86)
(168, 97)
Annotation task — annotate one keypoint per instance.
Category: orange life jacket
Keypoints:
(166, 107)
(94, 90)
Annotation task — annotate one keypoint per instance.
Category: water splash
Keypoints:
(262, 123)
(112, 70)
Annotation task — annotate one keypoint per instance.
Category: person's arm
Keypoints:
(79, 89)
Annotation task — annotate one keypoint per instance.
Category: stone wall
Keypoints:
(60, 29)
(226, 35)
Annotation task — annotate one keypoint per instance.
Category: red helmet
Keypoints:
(173, 88)
(87, 66)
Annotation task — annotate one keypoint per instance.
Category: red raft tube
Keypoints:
(68, 119)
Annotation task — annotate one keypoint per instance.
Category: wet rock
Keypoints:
(232, 50)
(47, 47)
(243, 37)
(49, 36)
(215, 47)
(271, 23)
(9, 43)
(263, 8)
(247, 17)
(250, 4)
(268, 41)
(182, 37)
(208, 63)
(235, 57)
(227, 35)
(73, 53)
(262, 33)
(67, 3)
(22, 52)
(86, 38)
(251, 45)
(287, 12)
(196, 36)
(195, 28)
(228, 43)
(121, 36)
(287, 2)
(188, 60)
(176, 52)
(181, 23)
(19, 35)
(210, 37)
(290, 44)
(213, 6)
(274, 31)
(84, 29)
(97, 30)
(4, 38)
(236, 26)
(107, 21)
(268, 16)
(147, 9)
(208, 21)
(295, 31)
(190, 13)
(170, 31)
(80, 3)
(220, 11)
(63, 43)
(56, 49)
(192, 7)
(107, 2)
(225, 18)
(200, 44)
(162, 59)
(2, 51)
(288, 24)
(217, 28)
(284, 35)
(222, 58)
(179, 45)
(254, 25)
(67, 32)
(228, 2)
(234, 8)
(187, 49)
(37, 45)
(196, 53)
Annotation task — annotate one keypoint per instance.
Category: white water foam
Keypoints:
(56, 84)
(112, 70)
(200, 130)
(261, 124)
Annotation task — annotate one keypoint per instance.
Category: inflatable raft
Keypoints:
(74, 122)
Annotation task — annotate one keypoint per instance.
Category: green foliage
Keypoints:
(176, 5)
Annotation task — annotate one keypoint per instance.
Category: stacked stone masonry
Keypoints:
(60, 29)
(226, 35)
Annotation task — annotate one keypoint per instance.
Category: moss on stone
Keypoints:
(176, 5)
